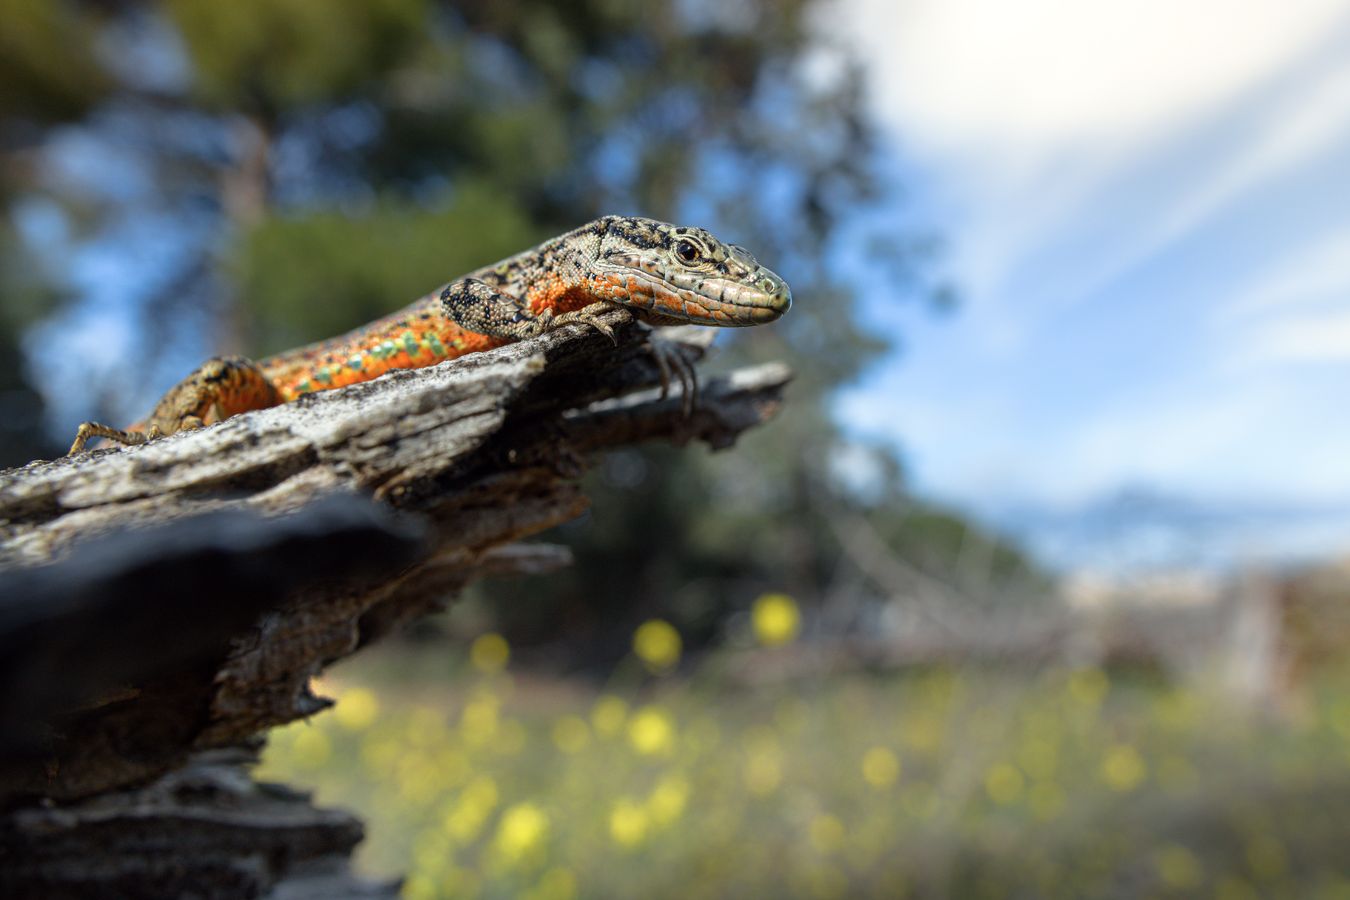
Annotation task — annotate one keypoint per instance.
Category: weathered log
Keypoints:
(204, 830)
(164, 601)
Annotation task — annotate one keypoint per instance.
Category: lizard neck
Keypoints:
(557, 275)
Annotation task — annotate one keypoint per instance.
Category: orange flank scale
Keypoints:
(412, 338)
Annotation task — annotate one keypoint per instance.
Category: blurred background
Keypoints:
(1037, 586)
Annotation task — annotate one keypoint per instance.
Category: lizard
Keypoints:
(662, 274)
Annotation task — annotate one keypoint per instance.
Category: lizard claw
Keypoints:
(588, 315)
(601, 327)
(670, 361)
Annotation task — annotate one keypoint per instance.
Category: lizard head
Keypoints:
(684, 273)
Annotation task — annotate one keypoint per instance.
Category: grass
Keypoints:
(1067, 782)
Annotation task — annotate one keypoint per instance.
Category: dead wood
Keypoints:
(169, 600)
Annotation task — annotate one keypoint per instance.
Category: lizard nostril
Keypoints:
(775, 287)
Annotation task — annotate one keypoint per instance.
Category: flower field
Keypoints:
(477, 782)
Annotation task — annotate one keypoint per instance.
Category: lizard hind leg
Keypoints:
(217, 389)
(90, 430)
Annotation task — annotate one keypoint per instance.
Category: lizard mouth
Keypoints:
(695, 297)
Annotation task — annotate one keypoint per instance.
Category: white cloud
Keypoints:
(1309, 338)
(1296, 312)
(1312, 275)
(1289, 137)
(1029, 113)
(1007, 79)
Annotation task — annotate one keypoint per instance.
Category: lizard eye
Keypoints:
(687, 251)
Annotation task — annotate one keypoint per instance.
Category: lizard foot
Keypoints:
(671, 361)
(92, 430)
(218, 388)
(587, 315)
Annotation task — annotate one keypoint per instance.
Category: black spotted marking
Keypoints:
(640, 236)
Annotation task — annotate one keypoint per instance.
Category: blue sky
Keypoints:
(1147, 208)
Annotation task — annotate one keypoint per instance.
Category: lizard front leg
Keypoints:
(479, 307)
(219, 388)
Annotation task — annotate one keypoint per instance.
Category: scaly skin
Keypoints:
(663, 274)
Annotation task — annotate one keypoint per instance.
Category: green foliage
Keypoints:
(24, 296)
(306, 276)
(47, 63)
(269, 56)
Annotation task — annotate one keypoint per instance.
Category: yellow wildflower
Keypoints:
(764, 770)
(489, 653)
(651, 731)
(1123, 768)
(356, 709)
(880, 767)
(1004, 784)
(521, 832)
(775, 619)
(666, 804)
(466, 817)
(658, 645)
(628, 823)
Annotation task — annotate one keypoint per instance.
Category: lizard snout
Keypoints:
(777, 294)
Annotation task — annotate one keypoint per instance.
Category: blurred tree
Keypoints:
(49, 78)
(23, 435)
(295, 167)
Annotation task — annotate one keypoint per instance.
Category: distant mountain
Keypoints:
(1139, 528)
